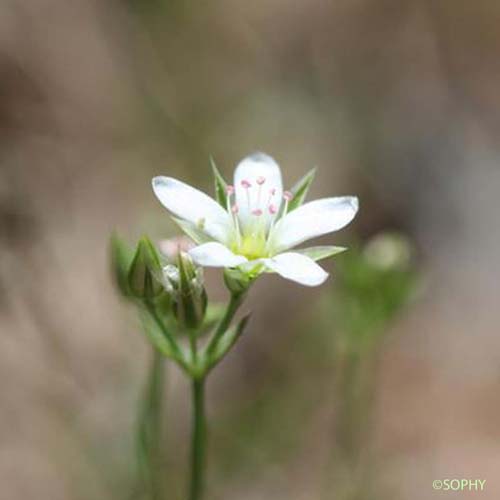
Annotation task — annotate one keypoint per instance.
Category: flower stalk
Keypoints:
(198, 440)
(250, 228)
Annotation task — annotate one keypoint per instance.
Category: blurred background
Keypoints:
(369, 387)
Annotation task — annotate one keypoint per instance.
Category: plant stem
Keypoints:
(198, 440)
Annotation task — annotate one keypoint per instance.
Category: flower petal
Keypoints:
(193, 206)
(297, 267)
(215, 254)
(313, 219)
(258, 188)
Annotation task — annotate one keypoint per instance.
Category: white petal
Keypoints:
(193, 206)
(297, 267)
(253, 169)
(215, 254)
(313, 219)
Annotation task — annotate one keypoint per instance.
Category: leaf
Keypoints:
(156, 336)
(227, 341)
(320, 252)
(213, 315)
(220, 185)
(300, 189)
(195, 233)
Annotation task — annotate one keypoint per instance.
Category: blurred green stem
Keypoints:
(198, 440)
(150, 429)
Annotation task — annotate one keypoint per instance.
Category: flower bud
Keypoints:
(388, 251)
(184, 282)
(121, 258)
(144, 276)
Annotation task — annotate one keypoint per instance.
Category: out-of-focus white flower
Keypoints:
(259, 223)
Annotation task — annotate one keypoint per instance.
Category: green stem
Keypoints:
(234, 303)
(198, 440)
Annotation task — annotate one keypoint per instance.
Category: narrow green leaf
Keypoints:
(195, 233)
(320, 252)
(300, 189)
(227, 341)
(220, 185)
(156, 336)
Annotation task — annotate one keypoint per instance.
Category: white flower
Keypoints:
(259, 223)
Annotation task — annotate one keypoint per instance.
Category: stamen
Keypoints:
(229, 190)
(246, 185)
(258, 212)
(273, 209)
(235, 209)
(261, 180)
(287, 196)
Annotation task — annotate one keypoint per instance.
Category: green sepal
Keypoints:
(227, 341)
(220, 185)
(320, 252)
(144, 277)
(300, 190)
(193, 231)
(121, 258)
(237, 281)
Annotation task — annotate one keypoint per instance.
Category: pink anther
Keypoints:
(261, 180)
(246, 184)
(287, 195)
(235, 209)
(257, 212)
(272, 209)
(230, 190)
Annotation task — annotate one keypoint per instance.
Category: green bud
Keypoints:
(388, 251)
(184, 282)
(121, 258)
(144, 276)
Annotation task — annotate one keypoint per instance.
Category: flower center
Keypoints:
(252, 233)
